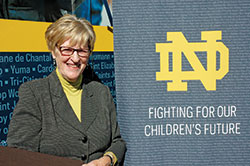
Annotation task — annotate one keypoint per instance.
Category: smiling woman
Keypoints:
(64, 37)
(71, 66)
(72, 114)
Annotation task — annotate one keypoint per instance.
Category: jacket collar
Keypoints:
(56, 87)
(63, 108)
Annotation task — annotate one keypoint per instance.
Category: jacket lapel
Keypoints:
(61, 104)
(63, 108)
(88, 105)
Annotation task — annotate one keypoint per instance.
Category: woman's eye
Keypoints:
(67, 50)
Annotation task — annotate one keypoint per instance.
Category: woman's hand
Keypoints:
(103, 161)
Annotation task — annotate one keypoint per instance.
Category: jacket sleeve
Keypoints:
(118, 145)
(25, 125)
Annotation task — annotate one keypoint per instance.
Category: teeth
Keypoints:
(73, 65)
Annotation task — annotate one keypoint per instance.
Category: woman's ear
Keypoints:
(53, 54)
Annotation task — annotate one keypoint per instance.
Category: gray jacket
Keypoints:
(43, 121)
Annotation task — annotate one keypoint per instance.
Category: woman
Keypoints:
(67, 114)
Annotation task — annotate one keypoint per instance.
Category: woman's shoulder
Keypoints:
(97, 86)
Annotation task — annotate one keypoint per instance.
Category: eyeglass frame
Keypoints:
(73, 50)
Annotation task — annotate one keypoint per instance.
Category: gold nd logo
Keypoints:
(180, 45)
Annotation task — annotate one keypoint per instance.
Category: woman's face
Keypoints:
(71, 66)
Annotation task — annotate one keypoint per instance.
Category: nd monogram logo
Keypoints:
(179, 45)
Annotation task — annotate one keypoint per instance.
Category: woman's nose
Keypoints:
(75, 57)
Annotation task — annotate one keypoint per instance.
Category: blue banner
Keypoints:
(182, 81)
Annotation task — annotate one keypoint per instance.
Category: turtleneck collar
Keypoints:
(70, 87)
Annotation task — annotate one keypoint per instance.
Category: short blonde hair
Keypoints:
(78, 30)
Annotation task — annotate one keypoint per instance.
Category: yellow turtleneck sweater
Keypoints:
(73, 91)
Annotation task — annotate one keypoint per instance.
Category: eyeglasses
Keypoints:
(68, 51)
